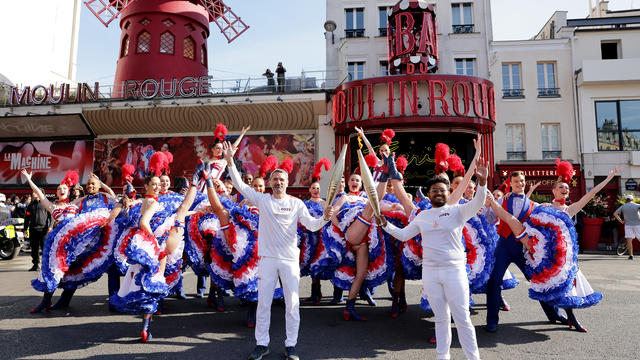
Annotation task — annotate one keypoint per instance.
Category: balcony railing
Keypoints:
(513, 93)
(516, 155)
(354, 33)
(463, 29)
(551, 154)
(382, 31)
(548, 92)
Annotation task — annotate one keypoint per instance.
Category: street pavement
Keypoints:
(190, 330)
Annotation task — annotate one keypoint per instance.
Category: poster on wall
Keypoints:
(48, 160)
(111, 154)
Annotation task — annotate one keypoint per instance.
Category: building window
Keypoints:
(550, 141)
(126, 25)
(189, 48)
(189, 27)
(384, 68)
(355, 22)
(356, 70)
(547, 80)
(167, 43)
(144, 42)
(462, 18)
(124, 50)
(515, 142)
(144, 22)
(618, 124)
(610, 50)
(168, 22)
(204, 55)
(511, 81)
(383, 15)
(465, 67)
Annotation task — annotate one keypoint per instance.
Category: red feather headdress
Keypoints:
(387, 135)
(442, 157)
(324, 162)
(565, 171)
(505, 187)
(371, 160)
(270, 164)
(286, 165)
(71, 178)
(455, 165)
(220, 132)
(401, 164)
(157, 163)
(127, 173)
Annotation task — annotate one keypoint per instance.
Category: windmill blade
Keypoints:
(107, 10)
(230, 24)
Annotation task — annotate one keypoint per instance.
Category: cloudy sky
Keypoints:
(292, 31)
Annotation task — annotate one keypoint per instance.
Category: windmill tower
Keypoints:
(165, 39)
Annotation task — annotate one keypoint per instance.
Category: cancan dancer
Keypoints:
(73, 255)
(278, 250)
(444, 260)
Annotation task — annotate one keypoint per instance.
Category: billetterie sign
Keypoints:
(130, 90)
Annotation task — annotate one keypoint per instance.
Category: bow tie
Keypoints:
(561, 201)
(517, 196)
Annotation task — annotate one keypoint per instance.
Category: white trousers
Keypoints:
(447, 289)
(269, 269)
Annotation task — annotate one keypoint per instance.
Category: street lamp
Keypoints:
(330, 26)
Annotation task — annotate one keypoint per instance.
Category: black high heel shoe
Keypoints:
(573, 322)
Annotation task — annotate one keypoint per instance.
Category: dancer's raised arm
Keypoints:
(109, 192)
(456, 195)
(578, 205)
(514, 224)
(366, 142)
(43, 199)
(239, 139)
(249, 193)
(532, 189)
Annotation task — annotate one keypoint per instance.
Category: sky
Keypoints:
(292, 31)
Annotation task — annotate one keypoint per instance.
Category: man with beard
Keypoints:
(444, 276)
(278, 251)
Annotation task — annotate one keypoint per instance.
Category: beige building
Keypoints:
(572, 91)
(357, 48)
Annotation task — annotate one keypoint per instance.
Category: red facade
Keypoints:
(162, 39)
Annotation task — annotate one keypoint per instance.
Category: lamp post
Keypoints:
(330, 26)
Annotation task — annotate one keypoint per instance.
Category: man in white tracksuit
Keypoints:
(278, 251)
(444, 276)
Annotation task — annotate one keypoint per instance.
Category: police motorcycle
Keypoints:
(11, 237)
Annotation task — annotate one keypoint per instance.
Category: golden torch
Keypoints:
(369, 184)
(334, 181)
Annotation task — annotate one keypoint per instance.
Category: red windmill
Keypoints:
(165, 39)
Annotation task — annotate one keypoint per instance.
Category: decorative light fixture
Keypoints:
(280, 99)
(223, 101)
(330, 26)
(248, 100)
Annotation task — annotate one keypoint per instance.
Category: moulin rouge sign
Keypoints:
(131, 90)
(416, 91)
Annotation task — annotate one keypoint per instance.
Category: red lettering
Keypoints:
(413, 100)
(17, 98)
(411, 69)
(480, 106)
(401, 31)
(492, 104)
(465, 98)
(433, 97)
(370, 103)
(43, 98)
(52, 98)
(427, 43)
(390, 98)
(339, 113)
(351, 104)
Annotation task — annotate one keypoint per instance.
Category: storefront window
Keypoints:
(618, 124)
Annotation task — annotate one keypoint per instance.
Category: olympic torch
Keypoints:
(334, 180)
(369, 184)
